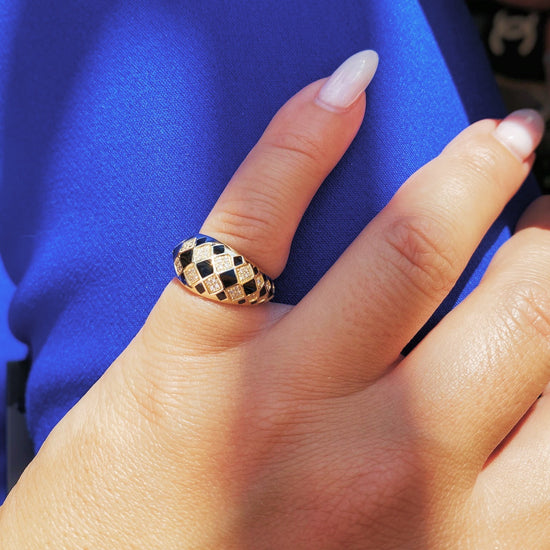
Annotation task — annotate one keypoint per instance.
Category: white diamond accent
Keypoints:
(259, 281)
(191, 275)
(213, 284)
(188, 244)
(223, 263)
(202, 252)
(244, 273)
(235, 292)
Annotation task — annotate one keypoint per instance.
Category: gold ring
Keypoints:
(216, 271)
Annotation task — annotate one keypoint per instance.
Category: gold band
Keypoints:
(216, 271)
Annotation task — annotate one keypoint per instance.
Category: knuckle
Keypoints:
(526, 312)
(421, 250)
(298, 146)
(252, 218)
(477, 162)
(480, 163)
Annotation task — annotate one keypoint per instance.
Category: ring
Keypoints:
(216, 271)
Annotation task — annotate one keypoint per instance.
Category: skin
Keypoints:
(279, 427)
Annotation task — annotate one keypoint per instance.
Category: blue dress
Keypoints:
(121, 121)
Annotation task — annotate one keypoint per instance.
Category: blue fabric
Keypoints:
(123, 120)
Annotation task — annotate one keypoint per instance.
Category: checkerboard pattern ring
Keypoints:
(214, 270)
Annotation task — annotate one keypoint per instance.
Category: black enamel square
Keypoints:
(241, 302)
(263, 291)
(228, 278)
(255, 269)
(199, 288)
(250, 287)
(200, 241)
(238, 260)
(221, 296)
(218, 249)
(205, 268)
(186, 257)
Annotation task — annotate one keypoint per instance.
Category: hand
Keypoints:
(278, 427)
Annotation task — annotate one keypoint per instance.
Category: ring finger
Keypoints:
(259, 211)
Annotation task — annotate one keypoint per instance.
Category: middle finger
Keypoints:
(396, 273)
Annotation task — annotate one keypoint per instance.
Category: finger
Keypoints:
(477, 373)
(515, 485)
(397, 272)
(260, 209)
(258, 212)
(536, 215)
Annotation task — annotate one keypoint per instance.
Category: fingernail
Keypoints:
(521, 132)
(348, 81)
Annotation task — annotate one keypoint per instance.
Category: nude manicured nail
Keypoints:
(521, 132)
(348, 81)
